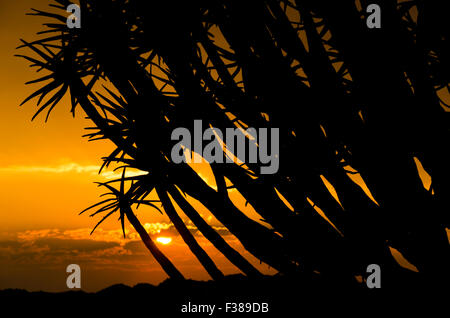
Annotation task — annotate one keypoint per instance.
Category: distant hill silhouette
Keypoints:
(284, 296)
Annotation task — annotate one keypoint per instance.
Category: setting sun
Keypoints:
(164, 240)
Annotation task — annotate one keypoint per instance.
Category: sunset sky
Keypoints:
(47, 172)
(47, 175)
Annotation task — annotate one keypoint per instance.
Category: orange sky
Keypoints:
(47, 173)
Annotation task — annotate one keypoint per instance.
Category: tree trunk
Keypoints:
(165, 263)
(187, 236)
(231, 254)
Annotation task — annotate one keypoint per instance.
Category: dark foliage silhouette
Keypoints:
(349, 101)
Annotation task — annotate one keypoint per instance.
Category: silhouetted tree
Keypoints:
(348, 100)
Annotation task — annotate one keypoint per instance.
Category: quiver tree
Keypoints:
(357, 109)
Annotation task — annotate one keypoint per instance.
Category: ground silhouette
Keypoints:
(285, 296)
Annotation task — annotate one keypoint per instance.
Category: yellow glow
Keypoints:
(356, 177)
(401, 260)
(322, 214)
(164, 240)
(423, 174)
(331, 189)
(286, 202)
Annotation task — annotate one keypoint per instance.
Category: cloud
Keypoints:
(37, 259)
(70, 168)
(156, 228)
(104, 250)
(56, 245)
(49, 247)
(100, 235)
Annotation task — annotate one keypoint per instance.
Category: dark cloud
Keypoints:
(10, 244)
(37, 259)
(55, 244)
